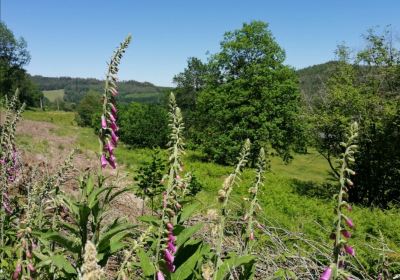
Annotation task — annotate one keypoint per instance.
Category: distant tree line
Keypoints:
(77, 88)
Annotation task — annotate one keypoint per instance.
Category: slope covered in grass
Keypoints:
(296, 196)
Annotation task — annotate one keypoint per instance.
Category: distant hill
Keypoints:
(76, 88)
(312, 82)
(313, 79)
(54, 95)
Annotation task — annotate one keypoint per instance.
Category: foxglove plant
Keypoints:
(171, 206)
(108, 135)
(223, 197)
(343, 224)
(261, 166)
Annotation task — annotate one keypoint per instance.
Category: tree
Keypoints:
(143, 125)
(248, 93)
(363, 90)
(342, 104)
(13, 57)
(88, 109)
(188, 85)
(378, 161)
(149, 179)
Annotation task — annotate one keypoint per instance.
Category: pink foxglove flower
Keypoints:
(114, 126)
(114, 138)
(326, 275)
(103, 161)
(171, 247)
(346, 233)
(171, 237)
(111, 161)
(109, 147)
(349, 222)
(349, 250)
(17, 271)
(160, 276)
(103, 122)
(112, 117)
(114, 92)
(113, 109)
(31, 267)
(169, 258)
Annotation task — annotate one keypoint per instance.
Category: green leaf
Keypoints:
(62, 263)
(107, 236)
(63, 241)
(150, 220)
(186, 269)
(231, 263)
(89, 185)
(94, 196)
(145, 263)
(187, 211)
(187, 233)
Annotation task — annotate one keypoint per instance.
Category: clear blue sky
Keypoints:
(76, 37)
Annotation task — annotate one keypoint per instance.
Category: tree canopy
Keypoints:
(248, 93)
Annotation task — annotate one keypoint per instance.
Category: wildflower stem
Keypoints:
(224, 195)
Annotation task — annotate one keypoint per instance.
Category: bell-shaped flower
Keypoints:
(326, 275)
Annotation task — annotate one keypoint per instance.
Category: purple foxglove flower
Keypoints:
(169, 258)
(114, 127)
(171, 267)
(170, 227)
(114, 91)
(171, 237)
(28, 254)
(31, 267)
(171, 247)
(326, 275)
(109, 147)
(349, 250)
(349, 222)
(113, 108)
(17, 271)
(160, 276)
(112, 117)
(112, 162)
(346, 233)
(103, 161)
(103, 122)
(349, 208)
(114, 138)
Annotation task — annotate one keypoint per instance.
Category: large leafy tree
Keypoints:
(248, 93)
(13, 57)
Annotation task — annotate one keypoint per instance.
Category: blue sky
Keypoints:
(76, 37)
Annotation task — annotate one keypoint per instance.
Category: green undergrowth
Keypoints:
(296, 196)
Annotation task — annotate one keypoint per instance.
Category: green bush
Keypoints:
(143, 125)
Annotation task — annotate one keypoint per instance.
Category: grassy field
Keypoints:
(53, 95)
(297, 196)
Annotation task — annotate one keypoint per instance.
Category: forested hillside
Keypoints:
(77, 88)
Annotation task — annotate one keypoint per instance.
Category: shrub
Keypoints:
(88, 109)
(143, 125)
